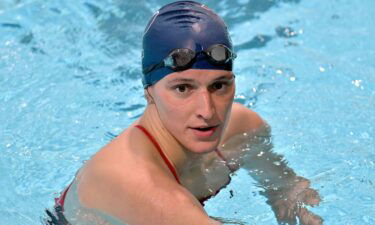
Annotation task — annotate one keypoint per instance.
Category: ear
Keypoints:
(148, 96)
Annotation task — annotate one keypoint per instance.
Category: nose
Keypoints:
(205, 108)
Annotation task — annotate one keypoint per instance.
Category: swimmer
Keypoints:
(188, 141)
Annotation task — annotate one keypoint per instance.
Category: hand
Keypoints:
(288, 203)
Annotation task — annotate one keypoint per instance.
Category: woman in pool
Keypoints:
(183, 148)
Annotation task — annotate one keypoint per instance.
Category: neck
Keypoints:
(175, 152)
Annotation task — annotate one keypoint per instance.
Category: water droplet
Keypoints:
(75, 158)
(279, 71)
(23, 104)
(292, 78)
(260, 154)
(285, 32)
(240, 97)
(357, 83)
(322, 69)
(341, 213)
(366, 219)
(365, 135)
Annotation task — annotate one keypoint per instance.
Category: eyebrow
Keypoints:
(224, 77)
(186, 80)
(177, 80)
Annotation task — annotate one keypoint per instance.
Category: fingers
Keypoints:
(310, 197)
(283, 218)
(285, 213)
(300, 186)
(308, 218)
(289, 205)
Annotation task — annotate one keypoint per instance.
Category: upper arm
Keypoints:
(243, 120)
(140, 194)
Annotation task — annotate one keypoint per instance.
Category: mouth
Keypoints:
(204, 128)
(204, 131)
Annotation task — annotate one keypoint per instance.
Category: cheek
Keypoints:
(225, 106)
(172, 112)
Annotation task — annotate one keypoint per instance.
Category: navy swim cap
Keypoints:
(182, 24)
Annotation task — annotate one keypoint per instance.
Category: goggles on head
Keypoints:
(182, 58)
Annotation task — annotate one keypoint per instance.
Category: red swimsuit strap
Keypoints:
(221, 156)
(166, 160)
(61, 200)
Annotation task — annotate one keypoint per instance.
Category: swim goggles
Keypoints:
(182, 58)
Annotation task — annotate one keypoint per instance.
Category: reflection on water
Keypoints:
(70, 81)
(114, 30)
(70, 78)
(287, 193)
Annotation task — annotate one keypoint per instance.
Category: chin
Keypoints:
(202, 147)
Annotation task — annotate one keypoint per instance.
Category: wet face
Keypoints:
(194, 105)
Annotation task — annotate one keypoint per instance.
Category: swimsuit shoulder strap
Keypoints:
(164, 157)
(221, 156)
(61, 200)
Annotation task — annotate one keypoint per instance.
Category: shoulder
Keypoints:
(241, 113)
(243, 120)
(133, 185)
(118, 165)
(125, 181)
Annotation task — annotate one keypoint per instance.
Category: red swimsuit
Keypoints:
(60, 201)
(172, 168)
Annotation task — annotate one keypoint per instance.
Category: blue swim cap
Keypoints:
(182, 24)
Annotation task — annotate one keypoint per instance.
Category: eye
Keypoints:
(182, 88)
(218, 85)
(221, 86)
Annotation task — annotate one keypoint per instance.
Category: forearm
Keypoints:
(284, 190)
(253, 151)
(268, 168)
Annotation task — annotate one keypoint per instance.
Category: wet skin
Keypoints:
(194, 106)
(189, 113)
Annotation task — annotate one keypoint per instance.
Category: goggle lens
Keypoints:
(182, 58)
(218, 53)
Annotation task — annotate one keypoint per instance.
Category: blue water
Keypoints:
(70, 81)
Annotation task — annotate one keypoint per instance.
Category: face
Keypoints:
(194, 105)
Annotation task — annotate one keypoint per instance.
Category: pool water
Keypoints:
(70, 82)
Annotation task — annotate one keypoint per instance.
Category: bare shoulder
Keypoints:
(126, 183)
(243, 120)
